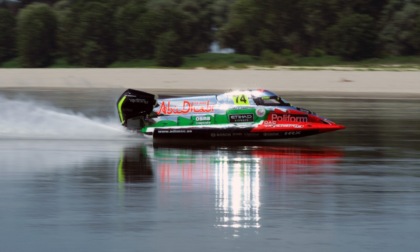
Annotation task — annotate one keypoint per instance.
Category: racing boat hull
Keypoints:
(248, 133)
(238, 115)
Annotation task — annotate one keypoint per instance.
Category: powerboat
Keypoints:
(255, 114)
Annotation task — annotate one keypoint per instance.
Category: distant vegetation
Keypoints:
(178, 33)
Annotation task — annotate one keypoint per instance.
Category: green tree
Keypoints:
(195, 26)
(244, 23)
(62, 9)
(317, 16)
(305, 26)
(400, 32)
(138, 24)
(27, 2)
(191, 20)
(130, 34)
(87, 34)
(36, 31)
(372, 8)
(7, 35)
(255, 26)
(220, 10)
(97, 31)
(156, 21)
(168, 50)
(354, 37)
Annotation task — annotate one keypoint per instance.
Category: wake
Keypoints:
(34, 120)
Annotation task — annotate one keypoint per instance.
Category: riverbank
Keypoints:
(349, 83)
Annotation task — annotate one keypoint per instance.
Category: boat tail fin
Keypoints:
(133, 106)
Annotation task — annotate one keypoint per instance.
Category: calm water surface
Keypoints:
(72, 180)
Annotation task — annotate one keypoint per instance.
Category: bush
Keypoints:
(87, 35)
(168, 50)
(286, 57)
(36, 27)
(92, 55)
(400, 32)
(354, 37)
(269, 57)
(7, 35)
(317, 53)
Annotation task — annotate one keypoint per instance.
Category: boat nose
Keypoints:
(340, 127)
(333, 125)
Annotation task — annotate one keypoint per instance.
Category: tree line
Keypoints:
(95, 33)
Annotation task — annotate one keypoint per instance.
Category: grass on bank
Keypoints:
(206, 60)
(150, 63)
(13, 63)
(239, 61)
(219, 61)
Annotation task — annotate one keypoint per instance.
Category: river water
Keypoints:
(73, 180)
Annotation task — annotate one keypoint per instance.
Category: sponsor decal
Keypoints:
(138, 100)
(288, 118)
(239, 118)
(292, 133)
(250, 134)
(271, 134)
(187, 107)
(238, 108)
(227, 135)
(260, 112)
(274, 124)
(222, 135)
(173, 131)
(120, 103)
(202, 118)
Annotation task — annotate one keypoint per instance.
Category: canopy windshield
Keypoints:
(267, 98)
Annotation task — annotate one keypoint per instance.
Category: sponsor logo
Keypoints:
(292, 133)
(202, 118)
(233, 134)
(221, 135)
(260, 112)
(138, 100)
(239, 108)
(241, 118)
(288, 118)
(252, 134)
(174, 131)
(271, 134)
(187, 107)
(281, 125)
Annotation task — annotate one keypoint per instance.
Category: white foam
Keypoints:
(30, 119)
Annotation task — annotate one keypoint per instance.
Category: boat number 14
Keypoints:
(240, 99)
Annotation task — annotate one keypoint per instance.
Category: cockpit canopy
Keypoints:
(267, 98)
(259, 97)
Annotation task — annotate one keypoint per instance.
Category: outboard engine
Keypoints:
(134, 107)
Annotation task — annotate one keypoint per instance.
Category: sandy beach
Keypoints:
(369, 83)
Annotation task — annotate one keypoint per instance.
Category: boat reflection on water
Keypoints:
(237, 188)
(134, 165)
(240, 175)
(228, 178)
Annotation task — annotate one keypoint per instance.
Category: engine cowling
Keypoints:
(134, 106)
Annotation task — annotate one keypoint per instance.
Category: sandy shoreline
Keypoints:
(367, 83)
